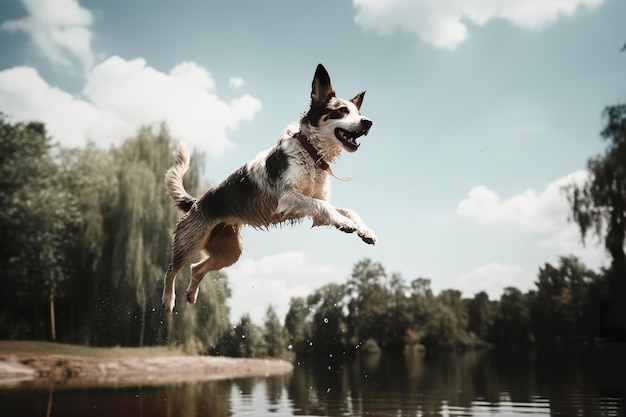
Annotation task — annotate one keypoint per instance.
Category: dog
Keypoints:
(285, 183)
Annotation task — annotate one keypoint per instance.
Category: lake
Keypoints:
(586, 382)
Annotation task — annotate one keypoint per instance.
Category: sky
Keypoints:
(483, 110)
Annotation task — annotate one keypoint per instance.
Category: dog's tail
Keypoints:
(174, 180)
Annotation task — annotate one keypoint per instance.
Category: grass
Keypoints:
(33, 347)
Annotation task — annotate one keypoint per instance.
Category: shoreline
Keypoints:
(34, 368)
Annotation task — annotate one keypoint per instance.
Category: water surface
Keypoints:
(587, 382)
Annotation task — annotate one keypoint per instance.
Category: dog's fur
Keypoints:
(281, 184)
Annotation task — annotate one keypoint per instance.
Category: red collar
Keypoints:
(317, 159)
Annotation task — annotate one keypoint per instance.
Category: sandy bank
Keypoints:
(19, 368)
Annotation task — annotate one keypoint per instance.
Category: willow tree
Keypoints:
(140, 238)
(599, 207)
(139, 230)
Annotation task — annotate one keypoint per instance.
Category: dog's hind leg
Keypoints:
(189, 237)
(223, 247)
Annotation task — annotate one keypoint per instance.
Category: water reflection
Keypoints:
(583, 383)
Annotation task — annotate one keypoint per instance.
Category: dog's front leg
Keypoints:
(322, 213)
(366, 234)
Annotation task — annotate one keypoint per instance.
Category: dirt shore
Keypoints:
(24, 364)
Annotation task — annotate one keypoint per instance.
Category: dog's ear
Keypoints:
(321, 88)
(358, 99)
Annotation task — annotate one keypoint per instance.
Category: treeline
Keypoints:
(85, 240)
(374, 310)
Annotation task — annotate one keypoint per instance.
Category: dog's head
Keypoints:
(336, 123)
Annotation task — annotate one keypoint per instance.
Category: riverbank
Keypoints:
(25, 363)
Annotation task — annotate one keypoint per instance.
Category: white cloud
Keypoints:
(444, 23)
(541, 213)
(273, 280)
(544, 216)
(493, 278)
(120, 96)
(25, 96)
(236, 82)
(59, 28)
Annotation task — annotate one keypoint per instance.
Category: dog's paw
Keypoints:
(347, 226)
(192, 295)
(168, 304)
(368, 237)
(346, 229)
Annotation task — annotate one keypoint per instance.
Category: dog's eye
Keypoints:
(339, 113)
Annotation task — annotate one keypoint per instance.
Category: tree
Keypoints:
(89, 174)
(481, 314)
(368, 301)
(274, 333)
(511, 326)
(85, 235)
(298, 324)
(252, 342)
(399, 315)
(328, 322)
(38, 221)
(560, 301)
(599, 206)
(444, 327)
(423, 306)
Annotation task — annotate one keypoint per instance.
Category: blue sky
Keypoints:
(482, 110)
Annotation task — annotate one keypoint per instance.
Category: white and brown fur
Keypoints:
(281, 184)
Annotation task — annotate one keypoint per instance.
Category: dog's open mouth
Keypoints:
(348, 138)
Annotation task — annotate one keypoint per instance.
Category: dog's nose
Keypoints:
(367, 123)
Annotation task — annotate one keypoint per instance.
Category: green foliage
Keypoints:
(298, 324)
(38, 220)
(560, 302)
(244, 340)
(511, 325)
(368, 301)
(599, 206)
(375, 310)
(93, 228)
(275, 334)
(329, 330)
(481, 314)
